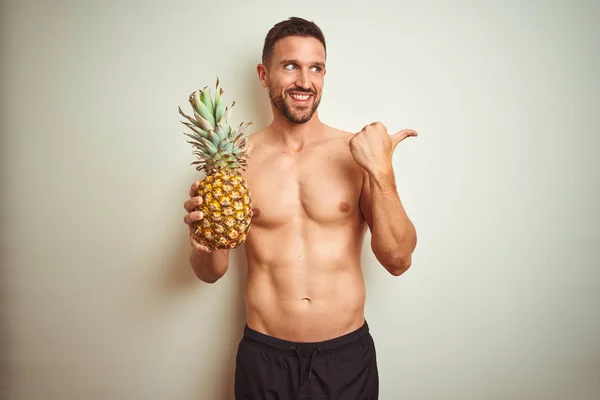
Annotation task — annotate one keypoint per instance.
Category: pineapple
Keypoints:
(221, 153)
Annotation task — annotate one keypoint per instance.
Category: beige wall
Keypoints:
(98, 300)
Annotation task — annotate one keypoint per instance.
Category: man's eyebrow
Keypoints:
(292, 61)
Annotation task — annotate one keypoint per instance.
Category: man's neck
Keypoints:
(295, 136)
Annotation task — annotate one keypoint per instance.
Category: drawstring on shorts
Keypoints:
(314, 353)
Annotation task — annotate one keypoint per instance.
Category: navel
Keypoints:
(344, 206)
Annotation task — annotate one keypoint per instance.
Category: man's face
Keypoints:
(295, 77)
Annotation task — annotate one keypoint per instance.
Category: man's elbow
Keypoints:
(209, 279)
(399, 265)
(395, 262)
(207, 275)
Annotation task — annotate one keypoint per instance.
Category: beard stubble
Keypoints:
(296, 115)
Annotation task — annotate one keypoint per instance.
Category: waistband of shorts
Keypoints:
(330, 344)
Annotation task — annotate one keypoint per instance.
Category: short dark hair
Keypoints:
(293, 26)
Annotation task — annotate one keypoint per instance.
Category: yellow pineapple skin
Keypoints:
(227, 210)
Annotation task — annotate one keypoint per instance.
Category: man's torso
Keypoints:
(305, 281)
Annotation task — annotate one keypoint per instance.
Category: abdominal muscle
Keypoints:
(305, 281)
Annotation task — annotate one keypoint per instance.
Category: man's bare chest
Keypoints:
(315, 185)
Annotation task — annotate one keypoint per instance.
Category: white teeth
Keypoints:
(299, 97)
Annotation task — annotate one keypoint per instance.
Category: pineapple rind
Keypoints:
(226, 222)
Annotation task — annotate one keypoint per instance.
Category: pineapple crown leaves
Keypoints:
(216, 144)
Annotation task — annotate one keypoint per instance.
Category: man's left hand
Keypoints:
(373, 147)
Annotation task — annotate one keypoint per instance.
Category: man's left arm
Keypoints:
(393, 235)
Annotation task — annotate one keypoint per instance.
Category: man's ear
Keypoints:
(262, 72)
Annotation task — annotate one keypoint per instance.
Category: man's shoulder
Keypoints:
(255, 139)
(339, 136)
(339, 132)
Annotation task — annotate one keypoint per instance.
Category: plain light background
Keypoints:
(502, 301)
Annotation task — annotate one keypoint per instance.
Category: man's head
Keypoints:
(293, 68)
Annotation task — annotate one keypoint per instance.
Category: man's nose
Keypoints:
(303, 80)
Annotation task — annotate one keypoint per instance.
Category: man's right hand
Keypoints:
(194, 216)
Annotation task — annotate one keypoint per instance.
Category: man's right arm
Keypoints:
(209, 266)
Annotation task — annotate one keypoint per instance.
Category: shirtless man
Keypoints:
(315, 190)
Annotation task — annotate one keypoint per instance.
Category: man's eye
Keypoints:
(289, 66)
(316, 69)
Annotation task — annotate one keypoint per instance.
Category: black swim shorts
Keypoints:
(344, 368)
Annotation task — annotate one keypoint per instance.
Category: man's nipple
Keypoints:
(344, 206)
